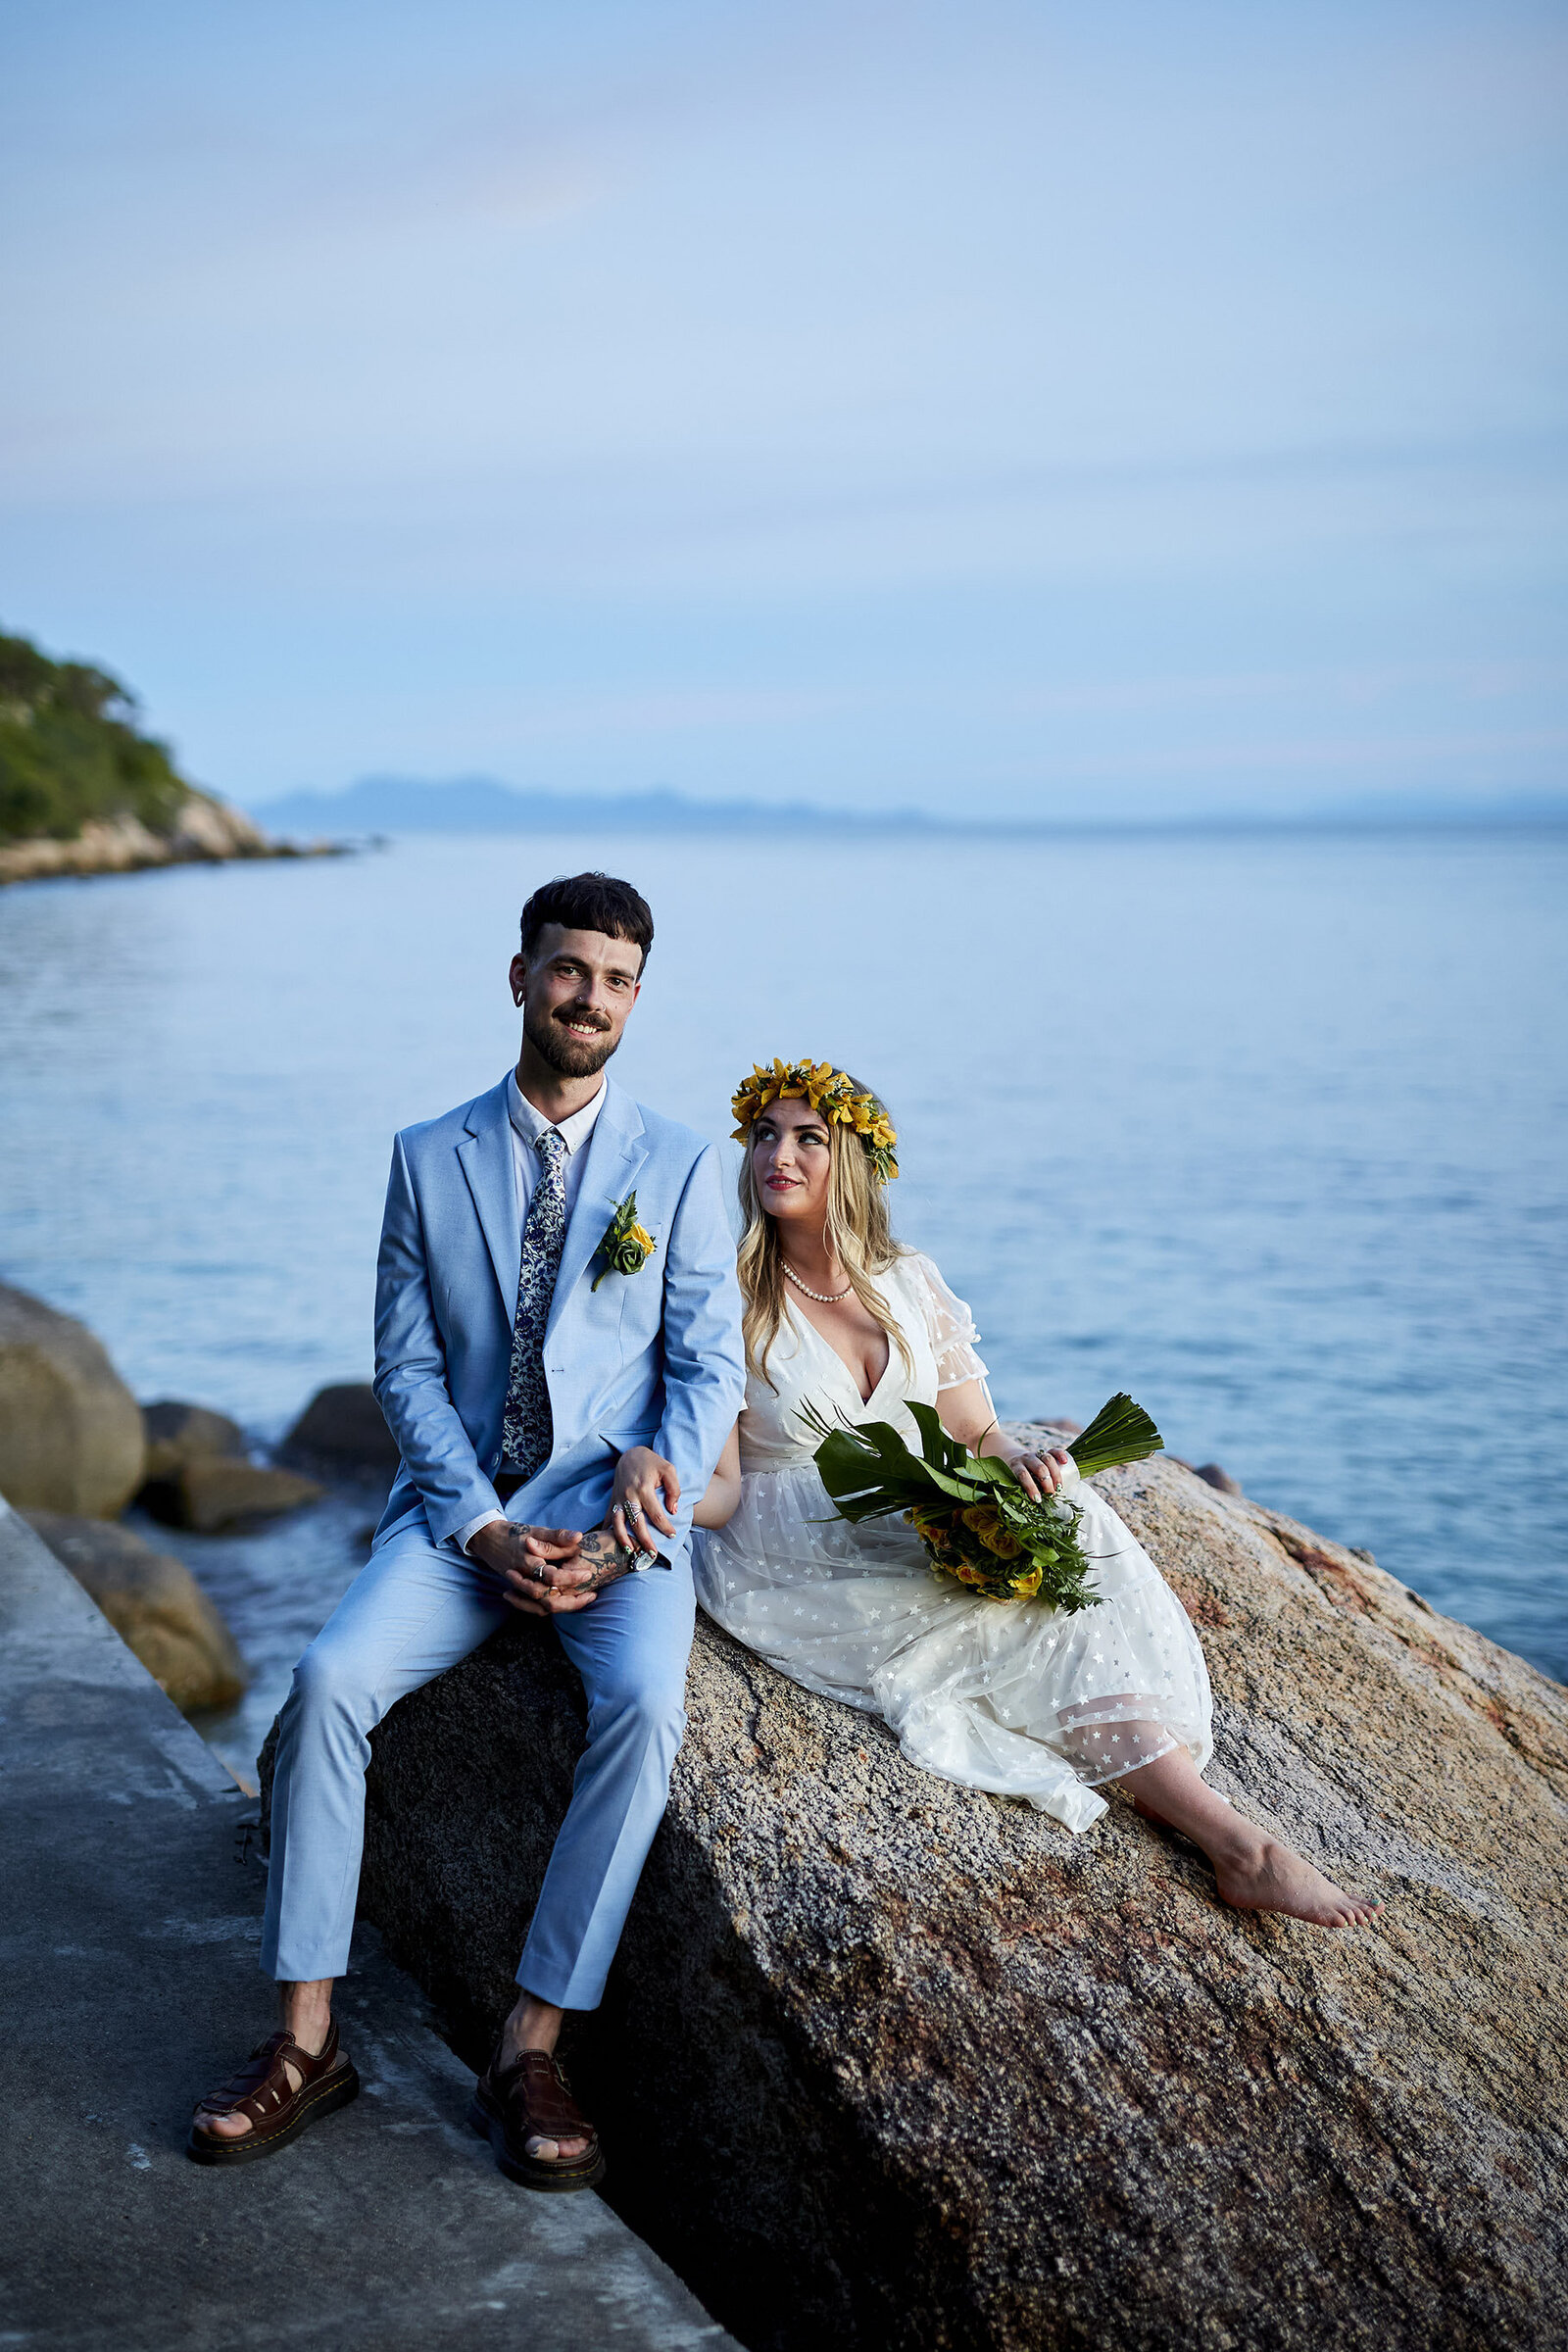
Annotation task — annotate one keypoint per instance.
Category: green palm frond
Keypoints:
(1120, 1432)
(972, 1515)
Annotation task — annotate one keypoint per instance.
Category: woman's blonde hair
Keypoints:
(855, 1230)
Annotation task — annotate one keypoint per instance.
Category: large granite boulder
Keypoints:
(71, 1431)
(886, 2061)
(155, 1605)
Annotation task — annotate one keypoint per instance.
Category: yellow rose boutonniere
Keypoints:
(625, 1245)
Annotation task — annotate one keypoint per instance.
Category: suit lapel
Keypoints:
(616, 1150)
(485, 1158)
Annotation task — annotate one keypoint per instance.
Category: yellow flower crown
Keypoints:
(832, 1093)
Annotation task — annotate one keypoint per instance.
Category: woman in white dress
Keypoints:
(1011, 1697)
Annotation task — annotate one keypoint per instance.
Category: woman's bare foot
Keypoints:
(1252, 1871)
(1271, 1878)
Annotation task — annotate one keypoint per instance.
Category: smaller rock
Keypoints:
(177, 1433)
(342, 1428)
(155, 1605)
(210, 1495)
(1220, 1480)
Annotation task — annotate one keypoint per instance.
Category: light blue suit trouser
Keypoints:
(415, 1610)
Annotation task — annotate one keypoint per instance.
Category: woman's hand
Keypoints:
(1038, 1474)
(969, 1414)
(646, 1495)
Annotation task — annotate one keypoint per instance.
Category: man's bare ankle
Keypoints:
(515, 2042)
(531, 2024)
(308, 2024)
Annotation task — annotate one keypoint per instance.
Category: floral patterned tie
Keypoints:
(527, 1431)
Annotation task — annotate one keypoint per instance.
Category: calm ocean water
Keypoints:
(1271, 1132)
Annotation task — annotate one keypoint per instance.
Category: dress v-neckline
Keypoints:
(845, 1366)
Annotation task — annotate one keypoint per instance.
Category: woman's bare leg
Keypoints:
(1253, 1871)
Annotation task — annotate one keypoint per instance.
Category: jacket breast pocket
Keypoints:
(643, 1305)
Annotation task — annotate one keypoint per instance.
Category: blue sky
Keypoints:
(1101, 409)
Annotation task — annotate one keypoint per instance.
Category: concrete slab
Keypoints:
(128, 1942)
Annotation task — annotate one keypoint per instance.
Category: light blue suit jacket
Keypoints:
(652, 1358)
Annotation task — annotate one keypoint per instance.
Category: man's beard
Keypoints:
(573, 1057)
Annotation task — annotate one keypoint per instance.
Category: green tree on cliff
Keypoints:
(70, 749)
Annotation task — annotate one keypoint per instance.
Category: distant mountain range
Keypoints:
(480, 805)
(394, 805)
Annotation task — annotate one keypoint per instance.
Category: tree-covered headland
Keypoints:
(70, 750)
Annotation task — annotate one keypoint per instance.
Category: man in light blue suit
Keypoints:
(558, 1357)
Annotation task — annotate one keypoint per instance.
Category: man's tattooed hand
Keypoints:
(549, 1572)
(604, 1557)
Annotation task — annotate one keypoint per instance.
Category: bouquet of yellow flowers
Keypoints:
(969, 1511)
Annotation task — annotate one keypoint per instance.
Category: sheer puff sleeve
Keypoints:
(948, 1324)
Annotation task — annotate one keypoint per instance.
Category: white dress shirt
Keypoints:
(527, 1125)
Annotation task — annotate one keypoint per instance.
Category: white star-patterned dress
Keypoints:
(1010, 1697)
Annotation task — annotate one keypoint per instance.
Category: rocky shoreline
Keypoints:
(205, 832)
(77, 1450)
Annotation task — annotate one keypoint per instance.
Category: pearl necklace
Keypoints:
(823, 1298)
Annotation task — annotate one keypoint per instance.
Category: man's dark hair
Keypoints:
(589, 903)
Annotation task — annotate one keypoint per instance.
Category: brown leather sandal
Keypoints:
(531, 2099)
(277, 2114)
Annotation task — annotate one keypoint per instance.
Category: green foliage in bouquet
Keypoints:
(969, 1511)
